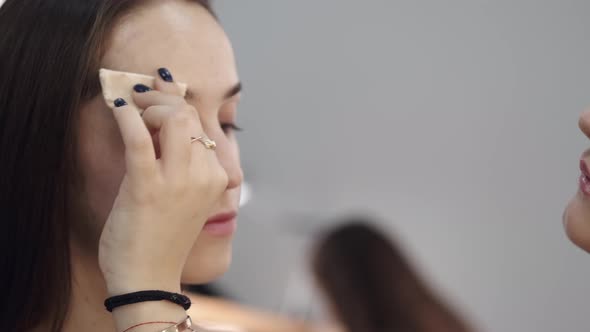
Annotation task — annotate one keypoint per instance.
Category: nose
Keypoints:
(229, 156)
(234, 171)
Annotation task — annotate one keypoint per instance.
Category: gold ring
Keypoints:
(208, 143)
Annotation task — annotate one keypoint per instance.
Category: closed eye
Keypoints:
(230, 127)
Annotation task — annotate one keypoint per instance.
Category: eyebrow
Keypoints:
(234, 90)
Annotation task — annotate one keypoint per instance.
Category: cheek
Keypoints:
(209, 259)
(102, 163)
(102, 178)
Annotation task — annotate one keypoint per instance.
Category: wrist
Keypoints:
(128, 279)
(143, 312)
(119, 286)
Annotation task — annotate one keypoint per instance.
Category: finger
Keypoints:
(205, 161)
(165, 83)
(584, 123)
(175, 139)
(144, 97)
(139, 150)
(209, 157)
(154, 116)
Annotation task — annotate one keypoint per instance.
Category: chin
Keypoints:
(577, 226)
(209, 259)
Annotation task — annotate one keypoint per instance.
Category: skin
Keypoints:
(140, 216)
(209, 309)
(140, 220)
(197, 52)
(576, 217)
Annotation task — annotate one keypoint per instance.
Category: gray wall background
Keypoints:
(455, 122)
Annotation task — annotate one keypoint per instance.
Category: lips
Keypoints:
(221, 218)
(222, 224)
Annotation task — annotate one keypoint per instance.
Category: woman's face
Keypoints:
(576, 217)
(184, 38)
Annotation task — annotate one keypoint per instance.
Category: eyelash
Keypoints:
(229, 127)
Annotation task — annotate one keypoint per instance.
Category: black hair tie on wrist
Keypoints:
(144, 296)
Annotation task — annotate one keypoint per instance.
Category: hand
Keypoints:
(162, 202)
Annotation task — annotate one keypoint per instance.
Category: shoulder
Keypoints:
(214, 313)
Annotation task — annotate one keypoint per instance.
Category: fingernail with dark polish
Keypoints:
(165, 75)
(120, 102)
(141, 88)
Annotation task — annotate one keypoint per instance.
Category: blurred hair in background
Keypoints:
(370, 285)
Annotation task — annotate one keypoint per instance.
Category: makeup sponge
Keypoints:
(119, 84)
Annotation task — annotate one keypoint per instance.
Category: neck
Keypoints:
(86, 311)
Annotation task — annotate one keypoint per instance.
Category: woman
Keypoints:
(576, 217)
(371, 287)
(99, 202)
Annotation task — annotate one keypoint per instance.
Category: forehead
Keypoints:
(179, 35)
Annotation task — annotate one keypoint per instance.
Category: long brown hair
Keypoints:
(372, 287)
(50, 52)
